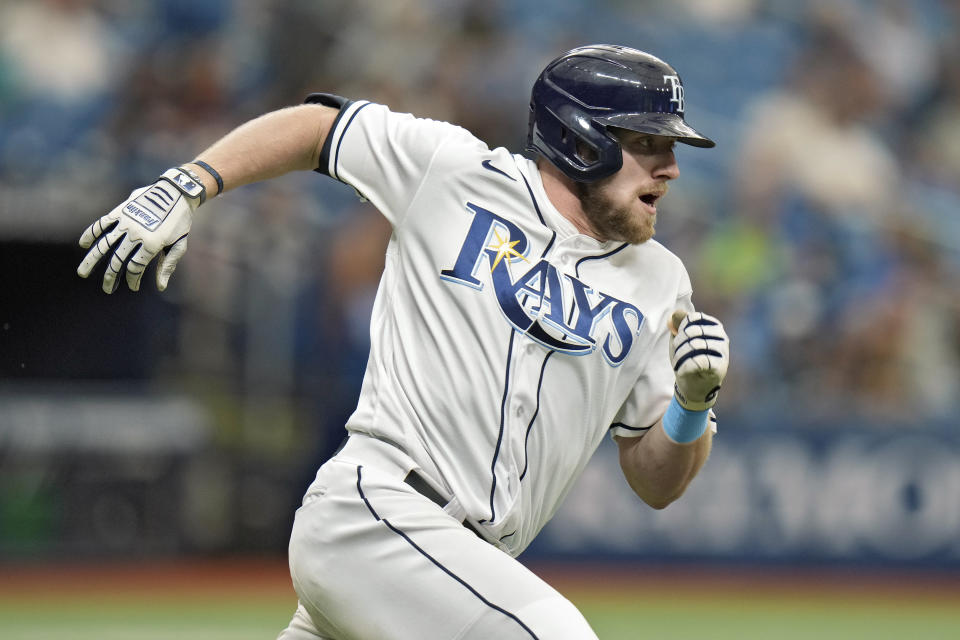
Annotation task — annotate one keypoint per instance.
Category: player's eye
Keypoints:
(653, 144)
(644, 144)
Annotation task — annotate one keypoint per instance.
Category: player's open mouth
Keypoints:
(650, 200)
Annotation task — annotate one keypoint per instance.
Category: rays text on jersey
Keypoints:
(535, 301)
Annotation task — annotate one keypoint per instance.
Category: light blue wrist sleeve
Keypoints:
(682, 425)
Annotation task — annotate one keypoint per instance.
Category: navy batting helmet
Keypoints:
(588, 89)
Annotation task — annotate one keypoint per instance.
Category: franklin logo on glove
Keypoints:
(145, 218)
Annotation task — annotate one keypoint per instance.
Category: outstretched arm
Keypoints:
(269, 146)
(156, 220)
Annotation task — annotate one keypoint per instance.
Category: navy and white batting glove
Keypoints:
(700, 355)
(153, 220)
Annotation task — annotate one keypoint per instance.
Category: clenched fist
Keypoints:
(700, 355)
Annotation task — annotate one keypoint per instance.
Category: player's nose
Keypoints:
(666, 167)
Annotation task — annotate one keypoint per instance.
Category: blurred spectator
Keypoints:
(720, 13)
(896, 43)
(299, 44)
(57, 93)
(167, 115)
(812, 139)
(902, 347)
(388, 52)
(74, 64)
(928, 296)
(817, 191)
(937, 138)
(333, 329)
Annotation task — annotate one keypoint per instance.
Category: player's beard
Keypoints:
(613, 221)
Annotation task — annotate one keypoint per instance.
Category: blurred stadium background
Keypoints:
(167, 439)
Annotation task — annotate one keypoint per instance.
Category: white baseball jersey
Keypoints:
(504, 344)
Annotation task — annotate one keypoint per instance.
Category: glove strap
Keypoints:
(186, 184)
(688, 404)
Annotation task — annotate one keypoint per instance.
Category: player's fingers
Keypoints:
(696, 323)
(116, 263)
(99, 249)
(697, 353)
(168, 262)
(137, 265)
(712, 331)
(95, 230)
(698, 327)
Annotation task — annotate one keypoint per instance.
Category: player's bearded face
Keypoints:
(623, 207)
(614, 217)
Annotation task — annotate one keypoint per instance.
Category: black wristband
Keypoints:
(212, 172)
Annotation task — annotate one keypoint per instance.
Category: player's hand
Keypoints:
(700, 355)
(153, 220)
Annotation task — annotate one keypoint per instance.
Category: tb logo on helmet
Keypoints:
(677, 91)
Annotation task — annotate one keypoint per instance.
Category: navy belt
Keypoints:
(422, 487)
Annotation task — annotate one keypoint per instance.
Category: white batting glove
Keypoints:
(153, 220)
(700, 355)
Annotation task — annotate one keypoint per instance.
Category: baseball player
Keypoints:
(524, 314)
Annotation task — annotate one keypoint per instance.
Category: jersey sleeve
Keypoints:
(651, 395)
(385, 156)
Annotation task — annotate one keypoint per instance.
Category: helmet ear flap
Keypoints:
(587, 153)
(578, 146)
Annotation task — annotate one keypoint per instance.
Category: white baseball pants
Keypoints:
(373, 559)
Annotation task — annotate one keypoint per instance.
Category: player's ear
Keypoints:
(587, 154)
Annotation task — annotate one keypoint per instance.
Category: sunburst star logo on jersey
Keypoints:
(505, 248)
